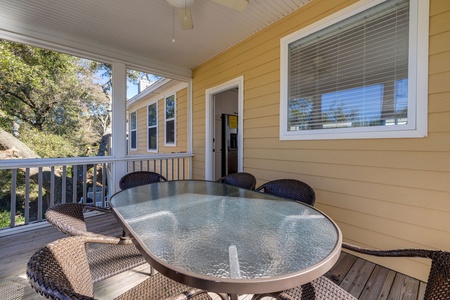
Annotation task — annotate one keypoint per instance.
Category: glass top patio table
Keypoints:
(225, 239)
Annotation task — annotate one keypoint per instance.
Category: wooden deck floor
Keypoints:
(361, 278)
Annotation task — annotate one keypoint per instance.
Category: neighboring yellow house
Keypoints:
(383, 192)
(158, 124)
(157, 119)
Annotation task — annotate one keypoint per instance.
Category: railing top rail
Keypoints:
(46, 162)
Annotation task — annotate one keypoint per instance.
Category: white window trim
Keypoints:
(417, 78)
(129, 138)
(170, 119)
(156, 126)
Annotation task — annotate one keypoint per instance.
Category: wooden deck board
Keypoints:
(379, 284)
(341, 268)
(363, 279)
(357, 277)
(404, 287)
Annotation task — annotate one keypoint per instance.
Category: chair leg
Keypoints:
(152, 271)
(233, 296)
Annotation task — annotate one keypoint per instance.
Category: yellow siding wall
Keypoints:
(383, 193)
(181, 124)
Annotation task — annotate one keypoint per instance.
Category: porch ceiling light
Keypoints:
(185, 14)
(180, 3)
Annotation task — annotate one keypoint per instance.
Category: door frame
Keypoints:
(209, 124)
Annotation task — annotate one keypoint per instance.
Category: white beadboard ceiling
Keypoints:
(140, 28)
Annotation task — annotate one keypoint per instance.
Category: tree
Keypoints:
(52, 105)
(52, 92)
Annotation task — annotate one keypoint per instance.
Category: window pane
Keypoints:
(170, 107)
(133, 140)
(152, 115)
(170, 132)
(133, 120)
(152, 139)
(353, 73)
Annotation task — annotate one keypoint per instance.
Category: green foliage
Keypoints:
(5, 219)
(50, 145)
(34, 81)
(54, 104)
(54, 93)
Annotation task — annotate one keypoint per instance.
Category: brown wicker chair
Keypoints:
(241, 179)
(104, 261)
(60, 270)
(139, 178)
(289, 188)
(438, 285)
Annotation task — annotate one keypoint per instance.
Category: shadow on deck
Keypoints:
(363, 279)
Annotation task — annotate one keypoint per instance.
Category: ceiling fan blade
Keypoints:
(185, 17)
(239, 5)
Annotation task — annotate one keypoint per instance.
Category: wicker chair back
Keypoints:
(52, 273)
(289, 188)
(241, 179)
(105, 261)
(60, 270)
(138, 178)
(69, 218)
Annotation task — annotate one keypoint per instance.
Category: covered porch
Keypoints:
(383, 192)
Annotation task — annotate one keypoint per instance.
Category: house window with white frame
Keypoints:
(361, 73)
(152, 129)
(133, 131)
(169, 118)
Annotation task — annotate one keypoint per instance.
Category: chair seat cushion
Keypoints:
(109, 260)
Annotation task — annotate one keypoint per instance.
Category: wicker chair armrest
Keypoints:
(88, 207)
(104, 239)
(390, 253)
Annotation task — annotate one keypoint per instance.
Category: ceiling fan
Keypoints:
(184, 10)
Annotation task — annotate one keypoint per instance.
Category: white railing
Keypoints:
(36, 184)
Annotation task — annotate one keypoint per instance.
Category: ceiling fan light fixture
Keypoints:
(180, 3)
(185, 14)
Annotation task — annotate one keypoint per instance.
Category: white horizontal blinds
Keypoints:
(353, 73)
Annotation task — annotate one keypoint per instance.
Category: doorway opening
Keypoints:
(224, 129)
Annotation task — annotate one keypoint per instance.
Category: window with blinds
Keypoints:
(352, 76)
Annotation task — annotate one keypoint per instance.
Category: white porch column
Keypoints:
(119, 141)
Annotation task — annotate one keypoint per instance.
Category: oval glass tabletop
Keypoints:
(226, 239)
